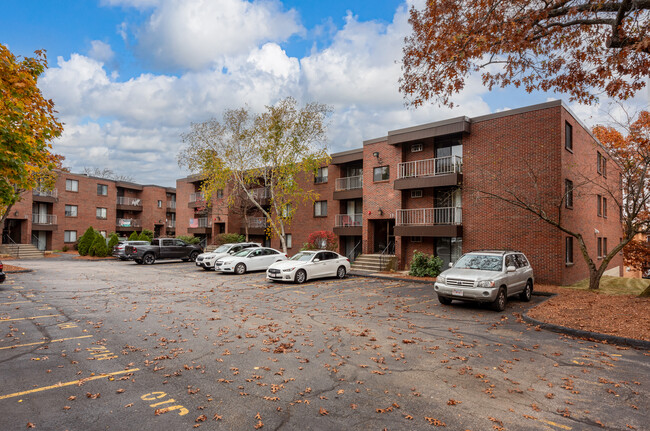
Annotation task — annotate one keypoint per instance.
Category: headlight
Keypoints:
(288, 269)
(441, 279)
(485, 283)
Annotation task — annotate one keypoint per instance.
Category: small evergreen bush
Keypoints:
(424, 265)
(146, 235)
(190, 239)
(134, 236)
(112, 242)
(65, 248)
(86, 241)
(98, 247)
(228, 238)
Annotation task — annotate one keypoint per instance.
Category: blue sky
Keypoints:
(129, 76)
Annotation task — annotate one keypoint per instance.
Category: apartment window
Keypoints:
(289, 240)
(159, 204)
(599, 162)
(102, 189)
(70, 236)
(600, 248)
(600, 205)
(320, 209)
(321, 175)
(604, 167)
(416, 239)
(101, 213)
(382, 173)
(286, 211)
(416, 148)
(604, 247)
(416, 193)
(71, 210)
(219, 193)
(72, 185)
(102, 233)
(605, 207)
(568, 136)
(568, 192)
(568, 254)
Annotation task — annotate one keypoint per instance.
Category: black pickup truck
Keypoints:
(162, 248)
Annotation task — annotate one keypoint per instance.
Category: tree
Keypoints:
(321, 240)
(113, 241)
(579, 47)
(279, 149)
(86, 241)
(145, 235)
(109, 174)
(27, 125)
(98, 247)
(134, 236)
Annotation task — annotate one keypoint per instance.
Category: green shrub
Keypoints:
(98, 248)
(134, 236)
(146, 235)
(112, 242)
(190, 239)
(86, 241)
(228, 238)
(65, 248)
(424, 265)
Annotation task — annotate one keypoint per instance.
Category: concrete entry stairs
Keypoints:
(22, 251)
(374, 262)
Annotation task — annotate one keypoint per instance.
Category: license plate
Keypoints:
(275, 276)
(457, 292)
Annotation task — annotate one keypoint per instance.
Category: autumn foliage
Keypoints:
(321, 240)
(637, 254)
(579, 47)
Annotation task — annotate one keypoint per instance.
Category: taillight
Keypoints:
(135, 250)
(1, 267)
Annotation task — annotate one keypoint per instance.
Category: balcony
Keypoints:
(430, 222)
(349, 188)
(42, 195)
(348, 224)
(262, 195)
(44, 222)
(128, 225)
(438, 172)
(129, 204)
(171, 206)
(256, 226)
(196, 200)
(171, 224)
(200, 225)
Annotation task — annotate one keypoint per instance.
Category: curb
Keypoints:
(386, 277)
(596, 336)
(18, 271)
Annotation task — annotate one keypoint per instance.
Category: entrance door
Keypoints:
(39, 239)
(384, 235)
(11, 231)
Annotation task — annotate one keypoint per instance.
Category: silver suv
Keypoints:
(486, 276)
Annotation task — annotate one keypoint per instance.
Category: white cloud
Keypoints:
(101, 51)
(193, 34)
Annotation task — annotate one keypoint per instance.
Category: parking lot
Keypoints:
(90, 345)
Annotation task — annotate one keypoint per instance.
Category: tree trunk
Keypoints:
(595, 276)
(246, 225)
(3, 219)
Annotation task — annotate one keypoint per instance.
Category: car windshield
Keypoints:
(484, 262)
(222, 249)
(243, 253)
(303, 256)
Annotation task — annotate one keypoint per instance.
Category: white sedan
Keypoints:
(251, 259)
(308, 265)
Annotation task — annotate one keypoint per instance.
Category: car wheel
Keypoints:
(206, 269)
(340, 273)
(148, 259)
(499, 303)
(444, 300)
(301, 276)
(138, 261)
(240, 269)
(193, 256)
(527, 293)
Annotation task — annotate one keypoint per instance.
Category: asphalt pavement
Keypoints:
(110, 345)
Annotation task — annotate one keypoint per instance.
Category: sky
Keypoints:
(128, 77)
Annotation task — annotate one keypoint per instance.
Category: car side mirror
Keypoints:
(451, 265)
(316, 260)
(511, 269)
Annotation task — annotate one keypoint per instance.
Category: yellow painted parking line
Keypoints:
(45, 341)
(29, 318)
(564, 427)
(15, 302)
(60, 385)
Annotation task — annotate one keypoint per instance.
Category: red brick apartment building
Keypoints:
(418, 189)
(53, 219)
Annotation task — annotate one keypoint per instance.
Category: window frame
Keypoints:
(319, 204)
(414, 194)
(288, 239)
(599, 161)
(219, 193)
(568, 250)
(103, 187)
(159, 203)
(416, 148)
(76, 210)
(105, 212)
(70, 181)
(416, 239)
(599, 206)
(600, 248)
(568, 193)
(319, 178)
(68, 232)
(568, 136)
(604, 207)
(384, 169)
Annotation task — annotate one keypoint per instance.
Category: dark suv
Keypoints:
(487, 276)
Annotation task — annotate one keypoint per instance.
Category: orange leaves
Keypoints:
(435, 422)
(323, 412)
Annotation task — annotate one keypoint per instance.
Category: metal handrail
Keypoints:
(171, 204)
(46, 193)
(47, 219)
(128, 222)
(348, 220)
(429, 216)
(349, 183)
(430, 167)
(351, 255)
(124, 200)
(261, 193)
(197, 197)
(200, 222)
(171, 223)
(389, 247)
(256, 222)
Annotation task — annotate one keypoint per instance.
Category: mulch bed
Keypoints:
(406, 276)
(94, 258)
(621, 315)
(13, 268)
